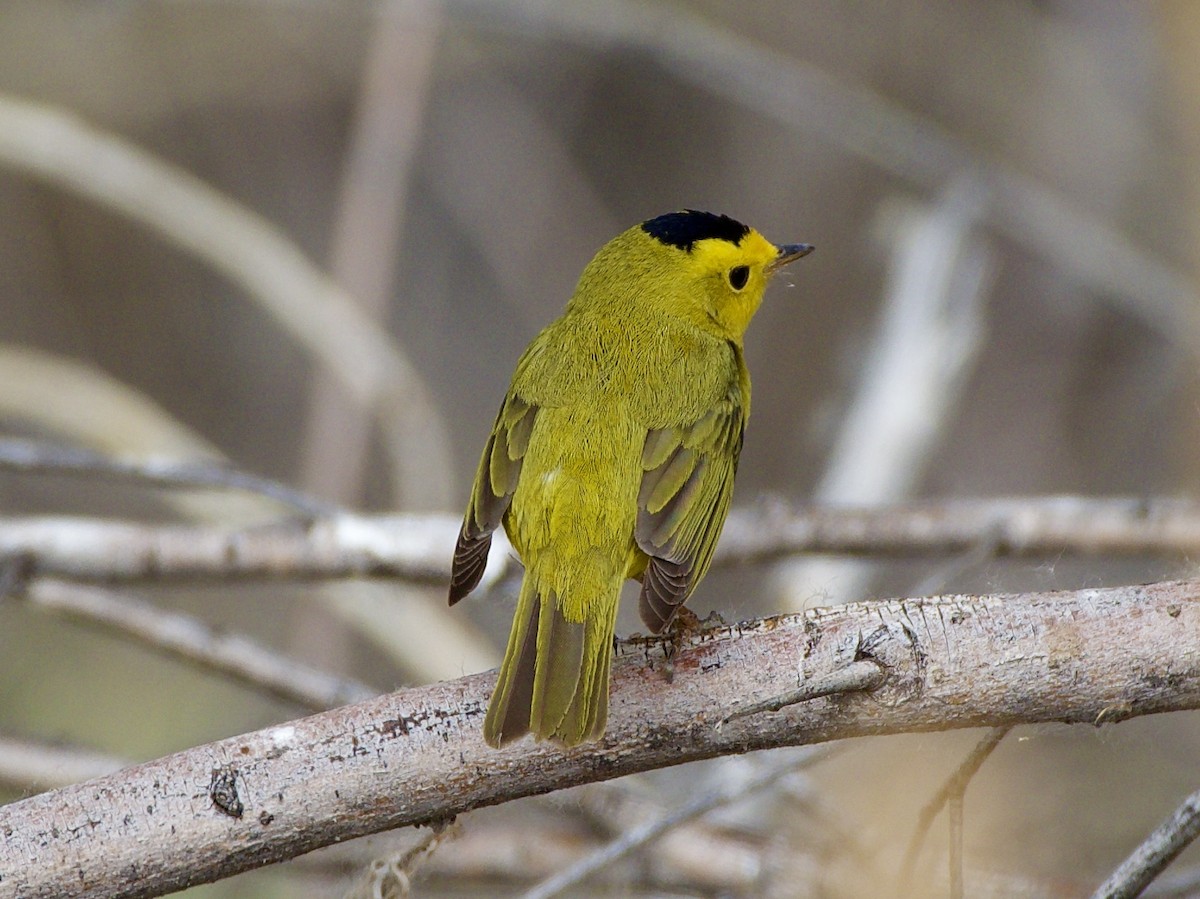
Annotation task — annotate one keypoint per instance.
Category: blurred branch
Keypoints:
(58, 147)
(367, 227)
(418, 547)
(417, 756)
(643, 835)
(869, 126)
(34, 457)
(366, 231)
(952, 790)
(26, 765)
(923, 349)
(415, 548)
(1157, 851)
(188, 638)
(1017, 526)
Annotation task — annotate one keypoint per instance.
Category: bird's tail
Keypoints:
(554, 679)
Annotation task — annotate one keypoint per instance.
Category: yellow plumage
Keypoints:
(613, 457)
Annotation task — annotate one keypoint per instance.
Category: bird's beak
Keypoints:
(788, 253)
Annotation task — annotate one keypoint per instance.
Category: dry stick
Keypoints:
(34, 457)
(419, 547)
(1154, 854)
(188, 638)
(417, 756)
(705, 857)
(642, 835)
(953, 788)
(1016, 526)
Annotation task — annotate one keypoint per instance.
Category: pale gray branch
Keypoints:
(1154, 854)
(419, 547)
(185, 637)
(413, 547)
(417, 756)
(923, 347)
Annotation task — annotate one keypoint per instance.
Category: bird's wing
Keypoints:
(686, 486)
(495, 482)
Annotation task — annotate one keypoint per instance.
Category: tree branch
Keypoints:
(417, 756)
(1157, 851)
(419, 547)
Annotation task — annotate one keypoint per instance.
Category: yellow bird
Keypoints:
(613, 457)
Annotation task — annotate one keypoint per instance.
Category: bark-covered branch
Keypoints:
(1089, 656)
(419, 547)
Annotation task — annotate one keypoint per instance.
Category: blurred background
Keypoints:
(1005, 200)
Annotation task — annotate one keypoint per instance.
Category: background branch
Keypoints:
(418, 547)
(1157, 851)
(186, 637)
(417, 757)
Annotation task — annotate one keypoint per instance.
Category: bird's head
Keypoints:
(708, 269)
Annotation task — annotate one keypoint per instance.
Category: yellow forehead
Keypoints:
(752, 250)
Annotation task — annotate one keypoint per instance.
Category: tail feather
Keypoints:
(553, 682)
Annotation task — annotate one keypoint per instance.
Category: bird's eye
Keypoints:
(738, 276)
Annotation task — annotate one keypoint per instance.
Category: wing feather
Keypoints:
(687, 484)
(495, 482)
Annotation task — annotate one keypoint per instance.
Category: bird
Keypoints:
(613, 457)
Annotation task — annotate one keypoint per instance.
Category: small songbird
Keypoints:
(613, 457)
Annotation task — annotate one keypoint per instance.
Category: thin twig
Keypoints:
(34, 457)
(1157, 851)
(641, 836)
(1015, 526)
(953, 787)
(857, 677)
(184, 637)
